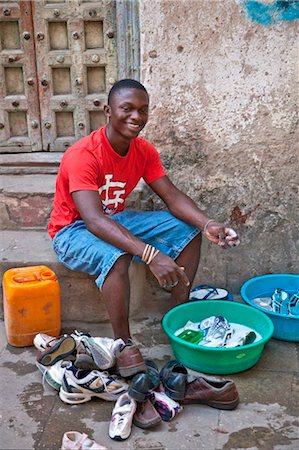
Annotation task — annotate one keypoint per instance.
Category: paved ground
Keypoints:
(33, 417)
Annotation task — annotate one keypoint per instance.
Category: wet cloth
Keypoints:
(82, 251)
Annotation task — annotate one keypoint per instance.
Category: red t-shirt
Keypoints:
(92, 164)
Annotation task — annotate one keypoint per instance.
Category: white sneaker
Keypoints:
(101, 351)
(53, 374)
(166, 407)
(79, 386)
(73, 440)
(122, 417)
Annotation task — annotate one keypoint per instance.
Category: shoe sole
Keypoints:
(165, 413)
(217, 405)
(129, 371)
(57, 352)
(77, 398)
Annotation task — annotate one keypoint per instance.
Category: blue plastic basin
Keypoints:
(286, 328)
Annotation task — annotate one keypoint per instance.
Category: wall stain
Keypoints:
(267, 15)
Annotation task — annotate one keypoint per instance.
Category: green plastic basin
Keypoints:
(217, 360)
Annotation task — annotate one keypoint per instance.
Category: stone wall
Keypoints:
(223, 86)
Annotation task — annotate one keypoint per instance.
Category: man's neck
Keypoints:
(119, 144)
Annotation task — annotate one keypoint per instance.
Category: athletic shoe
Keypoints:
(54, 374)
(84, 360)
(293, 305)
(73, 440)
(280, 301)
(100, 348)
(218, 333)
(166, 407)
(79, 386)
(64, 347)
(122, 417)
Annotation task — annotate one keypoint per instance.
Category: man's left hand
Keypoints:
(220, 234)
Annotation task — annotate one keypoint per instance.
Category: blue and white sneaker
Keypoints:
(79, 386)
(218, 333)
(53, 375)
(280, 301)
(293, 305)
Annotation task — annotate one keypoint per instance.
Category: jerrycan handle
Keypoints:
(47, 275)
(23, 278)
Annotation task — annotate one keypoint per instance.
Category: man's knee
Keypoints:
(122, 264)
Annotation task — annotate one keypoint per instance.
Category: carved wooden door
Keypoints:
(19, 107)
(58, 61)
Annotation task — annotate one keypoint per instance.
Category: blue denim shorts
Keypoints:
(81, 251)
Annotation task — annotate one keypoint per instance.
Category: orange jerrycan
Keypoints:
(31, 298)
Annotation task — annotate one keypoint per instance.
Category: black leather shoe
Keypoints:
(174, 378)
(142, 383)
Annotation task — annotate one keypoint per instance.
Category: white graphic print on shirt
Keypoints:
(112, 195)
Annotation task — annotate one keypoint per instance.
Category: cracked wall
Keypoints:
(224, 95)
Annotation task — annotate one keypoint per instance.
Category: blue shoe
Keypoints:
(293, 305)
(280, 301)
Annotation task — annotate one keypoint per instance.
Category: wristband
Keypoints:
(207, 224)
(149, 253)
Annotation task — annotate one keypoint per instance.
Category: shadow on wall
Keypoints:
(271, 14)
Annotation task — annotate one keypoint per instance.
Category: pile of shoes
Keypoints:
(81, 367)
(280, 302)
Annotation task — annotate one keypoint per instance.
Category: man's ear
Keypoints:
(107, 111)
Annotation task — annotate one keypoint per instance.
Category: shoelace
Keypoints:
(111, 395)
(44, 378)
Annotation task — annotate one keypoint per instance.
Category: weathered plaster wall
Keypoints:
(224, 93)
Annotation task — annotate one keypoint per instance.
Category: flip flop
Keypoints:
(209, 292)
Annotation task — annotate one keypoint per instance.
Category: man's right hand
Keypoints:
(167, 272)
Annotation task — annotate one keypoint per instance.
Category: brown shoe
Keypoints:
(129, 360)
(146, 416)
(218, 394)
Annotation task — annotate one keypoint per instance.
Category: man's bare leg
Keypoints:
(116, 294)
(189, 259)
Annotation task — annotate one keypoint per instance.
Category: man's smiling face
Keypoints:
(128, 112)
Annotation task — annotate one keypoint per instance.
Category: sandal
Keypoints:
(73, 440)
(209, 292)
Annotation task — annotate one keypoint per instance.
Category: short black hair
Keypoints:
(126, 83)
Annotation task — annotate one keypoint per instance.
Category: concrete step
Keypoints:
(30, 163)
(26, 201)
(80, 298)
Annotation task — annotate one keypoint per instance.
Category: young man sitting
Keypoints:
(93, 233)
